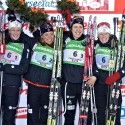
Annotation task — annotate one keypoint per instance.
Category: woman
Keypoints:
(105, 50)
(73, 69)
(14, 63)
(39, 75)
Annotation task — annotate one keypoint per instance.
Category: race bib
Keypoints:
(42, 60)
(74, 56)
(42, 56)
(103, 62)
(12, 54)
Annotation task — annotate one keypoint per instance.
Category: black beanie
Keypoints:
(75, 20)
(46, 27)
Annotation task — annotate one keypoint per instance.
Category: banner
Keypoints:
(21, 116)
(86, 6)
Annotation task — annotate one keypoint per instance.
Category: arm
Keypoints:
(29, 40)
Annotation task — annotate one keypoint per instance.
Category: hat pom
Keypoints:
(103, 27)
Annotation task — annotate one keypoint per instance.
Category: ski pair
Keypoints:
(114, 90)
(88, 96)
(54, 95)
(2, 51)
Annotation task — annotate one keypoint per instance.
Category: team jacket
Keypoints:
(102, 66)
(40, 69)
(73, 59)
(15, 60)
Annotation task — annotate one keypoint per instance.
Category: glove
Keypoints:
(113, 78)
(59, 80)
(1, 66)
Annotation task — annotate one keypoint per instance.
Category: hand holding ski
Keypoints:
(54, 96)
(88, 79)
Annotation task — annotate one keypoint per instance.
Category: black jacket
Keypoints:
(72, 73)
(12, 74)
(38, 75)
(102, 74)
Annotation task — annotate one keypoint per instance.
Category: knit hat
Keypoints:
(46, 27)
(15, 23)
(78, 20)
(103, 27)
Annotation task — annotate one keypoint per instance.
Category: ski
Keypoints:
(2, 51)
(87, 95)
(54, 96)
(115, 88)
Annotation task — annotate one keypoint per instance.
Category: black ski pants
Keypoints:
(71, 93)
(10, 97)
(38, 101)
(101, 91)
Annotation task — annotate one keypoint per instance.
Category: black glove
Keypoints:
(1, 66)
(60, 80)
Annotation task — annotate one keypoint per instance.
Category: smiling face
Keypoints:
(48, 37)
(15, 33)
(77, 30)
(103, 37)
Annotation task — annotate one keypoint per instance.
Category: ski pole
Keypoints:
(2, 51)
(1, 84)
